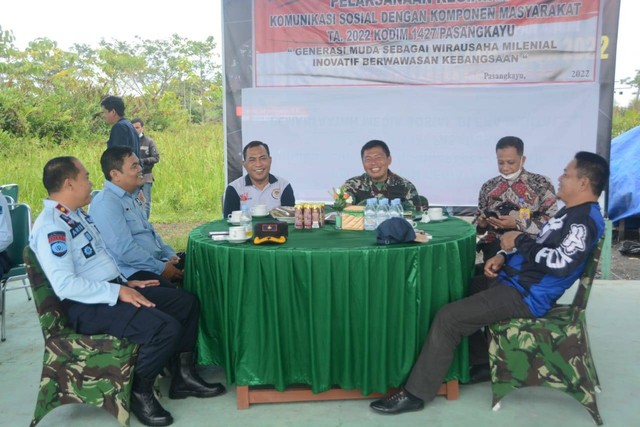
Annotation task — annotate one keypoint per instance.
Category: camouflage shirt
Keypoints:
(362, 188)
(530, 199)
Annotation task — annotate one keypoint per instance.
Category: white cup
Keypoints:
(259, 210)
(237, 233)
(412, 223)
(234, 216)
(435, 214)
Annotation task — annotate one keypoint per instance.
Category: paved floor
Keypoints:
(613, 318)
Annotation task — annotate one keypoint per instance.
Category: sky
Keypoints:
(78, 21)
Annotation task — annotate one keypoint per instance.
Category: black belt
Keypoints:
(118, 281)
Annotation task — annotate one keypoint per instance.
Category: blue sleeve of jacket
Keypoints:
(231, 201)
(288, 198)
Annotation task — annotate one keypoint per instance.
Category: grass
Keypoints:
(189, 179)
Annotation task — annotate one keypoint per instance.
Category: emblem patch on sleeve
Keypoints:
(58, 243)
(88, 251)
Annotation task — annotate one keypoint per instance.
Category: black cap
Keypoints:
(395, 230)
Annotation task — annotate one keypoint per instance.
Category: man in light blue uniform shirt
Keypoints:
(98, 300)
(132, 241)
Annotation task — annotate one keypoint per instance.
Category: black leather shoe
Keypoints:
(479, 374)
(187, 383)
(401, 401)
(146, 407)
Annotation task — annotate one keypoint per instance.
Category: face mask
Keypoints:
(140, 135)
(513, 176)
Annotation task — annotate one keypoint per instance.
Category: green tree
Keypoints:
(633, 82)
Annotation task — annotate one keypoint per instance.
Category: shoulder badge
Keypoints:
(58, 243)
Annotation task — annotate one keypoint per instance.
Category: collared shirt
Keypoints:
(128, 235)
(363, 187)
(123, 133)
(278, 192)
(530, 199)
(6, 230)
(149, 156)
(73, 256)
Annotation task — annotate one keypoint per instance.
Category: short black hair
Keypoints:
(594, 167)
(138, 120)
(113, 158)
(57, 170)
(511, 141)
(113, 103)
(375, 143)
(254, 144)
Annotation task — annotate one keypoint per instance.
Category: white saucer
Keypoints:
(233, 222)
(238, 240)
(260, 216)
(444, 218)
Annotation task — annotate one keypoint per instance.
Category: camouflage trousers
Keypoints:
(454, 321)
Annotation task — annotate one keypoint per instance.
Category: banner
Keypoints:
(347, 42)
(440, 81)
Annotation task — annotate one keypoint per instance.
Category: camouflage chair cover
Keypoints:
(93, 369)
(551, 351)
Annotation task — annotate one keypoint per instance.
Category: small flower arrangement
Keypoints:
(341, 198)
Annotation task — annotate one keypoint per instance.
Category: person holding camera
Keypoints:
(516, 199)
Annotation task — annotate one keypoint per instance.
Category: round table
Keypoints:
(327, 308)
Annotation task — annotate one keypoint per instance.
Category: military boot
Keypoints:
(145, 406)
(186, 381)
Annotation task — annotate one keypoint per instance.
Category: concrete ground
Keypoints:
(613, 318)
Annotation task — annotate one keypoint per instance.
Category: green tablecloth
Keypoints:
(329, 307)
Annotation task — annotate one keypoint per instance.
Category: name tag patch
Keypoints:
(88, 251)
(58, 243)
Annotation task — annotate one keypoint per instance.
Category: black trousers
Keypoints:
(147, 275)
(452, 322)
(169, 327)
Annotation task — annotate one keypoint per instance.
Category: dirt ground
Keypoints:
(622, 267)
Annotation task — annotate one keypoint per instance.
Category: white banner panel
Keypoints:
(441, 138)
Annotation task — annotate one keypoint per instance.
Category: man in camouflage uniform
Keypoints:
(97, 299)
(529, 274)
(522, 200)
(378, 181)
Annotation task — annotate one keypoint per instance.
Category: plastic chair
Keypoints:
(551, 351)
(21, 225)
(10, 190)
(76, 368)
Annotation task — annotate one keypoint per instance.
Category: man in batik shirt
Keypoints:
(378, 181)
(514, 200)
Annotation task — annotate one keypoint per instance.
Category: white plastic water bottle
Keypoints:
(370, 220)
(245, 221)
(396, 210)
(382, 214)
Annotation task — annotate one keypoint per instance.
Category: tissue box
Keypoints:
(353, 218)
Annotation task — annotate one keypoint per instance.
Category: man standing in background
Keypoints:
(122, 131)
(149, 156)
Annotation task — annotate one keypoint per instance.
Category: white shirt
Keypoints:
(6, 231)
